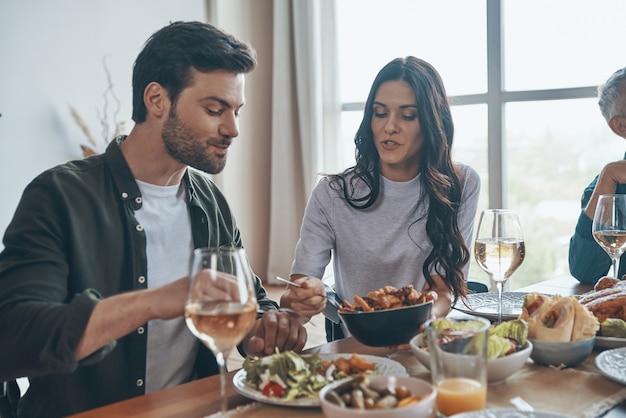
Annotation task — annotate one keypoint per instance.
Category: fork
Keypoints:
(303, 319)
(289, 282)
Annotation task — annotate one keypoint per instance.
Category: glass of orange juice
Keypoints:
(458, 363)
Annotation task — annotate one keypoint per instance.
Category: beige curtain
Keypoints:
(304, 113)
(292, 109)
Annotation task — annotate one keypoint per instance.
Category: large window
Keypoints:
(522, 76)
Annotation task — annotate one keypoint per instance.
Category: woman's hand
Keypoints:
(309, 299)
(442, 298)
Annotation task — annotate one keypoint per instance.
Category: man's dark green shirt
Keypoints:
(74, 240)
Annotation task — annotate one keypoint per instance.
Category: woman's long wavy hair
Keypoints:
(441, 181)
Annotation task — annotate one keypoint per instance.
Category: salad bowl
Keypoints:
(498, 369)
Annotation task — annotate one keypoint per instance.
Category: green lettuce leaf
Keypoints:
(613, 327)
(516, 329)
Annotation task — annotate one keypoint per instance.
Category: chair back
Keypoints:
(477, 287)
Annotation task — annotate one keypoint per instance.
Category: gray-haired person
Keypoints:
(588, 262)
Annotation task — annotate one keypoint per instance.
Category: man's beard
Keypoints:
(183, 147)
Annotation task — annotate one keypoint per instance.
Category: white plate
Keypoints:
(509, 413)
(610, 342)
(384, 366)
(486, 305)
(612, 364)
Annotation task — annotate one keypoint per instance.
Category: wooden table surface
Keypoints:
(201, 398)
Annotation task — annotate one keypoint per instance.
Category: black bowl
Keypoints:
(387, 327)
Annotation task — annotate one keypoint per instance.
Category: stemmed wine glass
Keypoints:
(609, 226)
(221, 306)
(499, 248)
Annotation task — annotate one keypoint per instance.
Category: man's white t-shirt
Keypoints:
(172, 348)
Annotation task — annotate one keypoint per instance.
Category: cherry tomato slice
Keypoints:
(273, 390)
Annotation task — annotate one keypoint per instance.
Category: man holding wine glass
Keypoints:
(93, 279)
(588, 261)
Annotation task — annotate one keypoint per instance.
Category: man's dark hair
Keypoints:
(169, 55)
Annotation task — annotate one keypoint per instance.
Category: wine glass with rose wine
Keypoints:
(609, 226)
(221, 306)
(499, 248)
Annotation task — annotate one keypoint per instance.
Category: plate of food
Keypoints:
(612, 364)
(606, 302)
(290, 379)
(486, 305)
(610, 342)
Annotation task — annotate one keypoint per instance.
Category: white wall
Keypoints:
(51, 55)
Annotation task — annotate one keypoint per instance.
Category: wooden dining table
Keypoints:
(202, 398)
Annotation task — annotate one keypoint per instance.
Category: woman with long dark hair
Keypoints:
(404, 214)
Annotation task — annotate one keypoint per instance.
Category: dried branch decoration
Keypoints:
(83, 126)
(120, 126)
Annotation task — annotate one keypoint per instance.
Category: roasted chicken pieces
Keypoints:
(607, 300)
(387, 297)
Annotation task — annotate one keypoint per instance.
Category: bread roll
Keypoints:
(586, 325)
(534, 308)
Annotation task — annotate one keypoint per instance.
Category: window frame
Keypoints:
(496, 98)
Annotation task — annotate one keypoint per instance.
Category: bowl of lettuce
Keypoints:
(508, 350)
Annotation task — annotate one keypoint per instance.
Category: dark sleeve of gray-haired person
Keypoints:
(588, 262)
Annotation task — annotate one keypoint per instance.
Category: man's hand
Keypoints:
(612, 174)
(615, 173)
(168, 301)
(275, 330)
(309, 299)
(116, 316)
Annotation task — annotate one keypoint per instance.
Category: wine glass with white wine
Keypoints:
(609, 226)
(221, 306)
(499, 248)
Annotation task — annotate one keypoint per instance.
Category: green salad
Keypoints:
(504, 338)
(287, 375)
